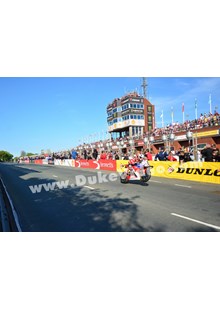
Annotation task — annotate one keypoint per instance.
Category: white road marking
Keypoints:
(196, 221)
(55, 176)
(25, 167)
(89, 187)
(155, 181)
(187, 186)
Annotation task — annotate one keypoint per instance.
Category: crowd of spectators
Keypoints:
(205, 120)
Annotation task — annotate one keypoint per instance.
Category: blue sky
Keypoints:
(58, 113)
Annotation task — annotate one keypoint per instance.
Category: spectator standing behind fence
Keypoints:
(216, 155)
(126, 157)
(187, 156)
(148, 155)
(110, 156)
(103, 155)
(117, 156)
(161, 155)
(170, 157)
(74, 154)
(85, 154)
(181, 156)
(95, 154)
(207, 153)
(89, 156)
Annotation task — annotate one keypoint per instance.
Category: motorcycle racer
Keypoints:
(138, 168)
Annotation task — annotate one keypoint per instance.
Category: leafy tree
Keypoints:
(5, 156)
(23, 153)
(30, 154)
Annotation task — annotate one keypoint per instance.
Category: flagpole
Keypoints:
(210, 103)
(162, 119)
(183, 110)
(196, 112)
(172, 114)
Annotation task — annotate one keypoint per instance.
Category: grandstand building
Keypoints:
(129, 116)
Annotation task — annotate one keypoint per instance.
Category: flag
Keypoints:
(161, 114)
(183, 107)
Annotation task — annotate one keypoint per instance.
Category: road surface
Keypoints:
(92, 201)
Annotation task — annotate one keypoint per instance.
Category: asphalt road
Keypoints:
(97, 201)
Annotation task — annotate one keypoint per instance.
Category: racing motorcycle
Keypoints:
(134, 172)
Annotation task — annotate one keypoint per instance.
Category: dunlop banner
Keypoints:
(208, 172)
(120, 165)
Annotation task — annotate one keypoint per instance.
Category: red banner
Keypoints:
(89, 164)
(107, 165)
(38, 161)
(96, 164)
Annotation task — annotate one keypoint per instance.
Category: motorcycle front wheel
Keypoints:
(124, 178)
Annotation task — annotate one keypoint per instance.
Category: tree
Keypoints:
(30, 154)
(23, 153)
(5, 156)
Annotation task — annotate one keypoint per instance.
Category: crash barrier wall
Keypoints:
(38, 161)
(208, 172)
(89, 164)
(26, 161)
(44, 162)
(64, 162)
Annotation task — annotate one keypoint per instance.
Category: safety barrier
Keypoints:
(208, 172)
(38, 161)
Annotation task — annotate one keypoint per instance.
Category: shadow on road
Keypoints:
(78, 209)
(83, 210)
